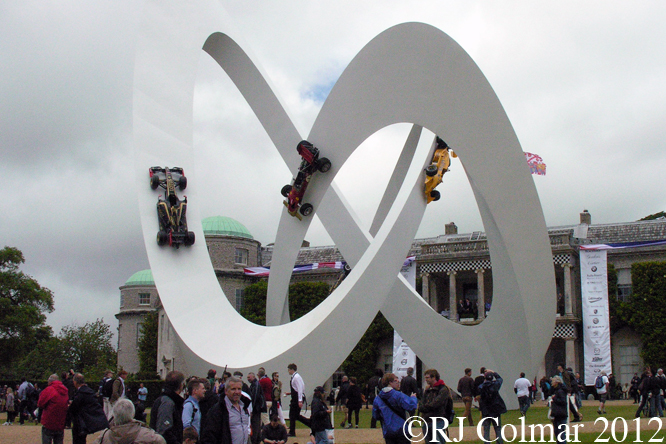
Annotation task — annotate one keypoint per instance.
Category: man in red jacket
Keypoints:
(53, 401)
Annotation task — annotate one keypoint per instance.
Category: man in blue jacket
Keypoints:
(390, 408)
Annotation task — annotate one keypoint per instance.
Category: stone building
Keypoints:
(137, 298)
(452, 268)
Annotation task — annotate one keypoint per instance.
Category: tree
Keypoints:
(23, 304)
(88, 349)
(655, 216)
(303, 297)
(616, 308)
(646, 309)
(148, 347)
(361, 361)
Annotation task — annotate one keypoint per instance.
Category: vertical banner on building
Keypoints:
(403, 356)
(596, 318)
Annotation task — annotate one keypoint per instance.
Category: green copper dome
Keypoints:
(143, 277)
(225, 226)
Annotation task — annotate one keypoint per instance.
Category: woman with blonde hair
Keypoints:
(10, 407)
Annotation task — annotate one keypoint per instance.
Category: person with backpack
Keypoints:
(435, 405)
(191, 409)
(87, 414)
(166, 417)
(24, 395)
(491, 405)
(601, 384)
(106, 390)
(390, 409)
(573, 388)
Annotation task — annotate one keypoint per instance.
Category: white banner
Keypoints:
(596, 318)
(403, 356)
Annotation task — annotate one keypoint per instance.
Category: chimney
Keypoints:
(585, 218)
(450, 228)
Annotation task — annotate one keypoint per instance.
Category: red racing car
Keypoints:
(294, 193)
(170, 209)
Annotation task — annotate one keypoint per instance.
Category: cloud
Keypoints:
(581, 84)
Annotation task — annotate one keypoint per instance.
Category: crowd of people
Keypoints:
(229, 410)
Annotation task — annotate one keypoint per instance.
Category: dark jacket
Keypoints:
(271, 433)
(354, 399)
(87, 413)
(491, 403)
(217, 430)
(558, 404)
(257, 395)
(207, 403)
(408, 385)
(342, 393)
(436, 401)
(477, 383)
(466, 386)
(166, 417)
(649, 384)
(320, 420)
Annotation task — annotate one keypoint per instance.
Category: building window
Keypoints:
(138, 333)
(122, 300)
(144, 298)
(388, 363)
(623, 292)
(240, 299)
(120, 328)
(241, 256)
(337, 378)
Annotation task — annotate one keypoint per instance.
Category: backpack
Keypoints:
(107, 388)
(599, 382)
(449, 413)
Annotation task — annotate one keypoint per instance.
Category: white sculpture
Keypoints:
(427, 80)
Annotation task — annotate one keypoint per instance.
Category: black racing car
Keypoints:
(170, 209)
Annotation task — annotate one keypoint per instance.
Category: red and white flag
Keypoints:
(535, 162)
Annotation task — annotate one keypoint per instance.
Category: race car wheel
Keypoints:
(162, 238)
(435, 195)
(324, 164)
(306, 209)
(285, 190)
(154, 181)
(189, 239)
(182, 183)
(431, 170)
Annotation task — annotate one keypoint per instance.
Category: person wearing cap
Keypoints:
(320, 417)
(491, 405)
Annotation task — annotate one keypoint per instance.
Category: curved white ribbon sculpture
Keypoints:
(409, 73)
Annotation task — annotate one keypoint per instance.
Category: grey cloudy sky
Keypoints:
(580, 81)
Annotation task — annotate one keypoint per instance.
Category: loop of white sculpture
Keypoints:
(409, 73)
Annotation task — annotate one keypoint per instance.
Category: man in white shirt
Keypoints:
(522, 389)
(297, 393)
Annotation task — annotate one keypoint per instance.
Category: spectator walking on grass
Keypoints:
(53, 402)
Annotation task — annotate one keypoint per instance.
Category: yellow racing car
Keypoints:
(441, 160)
